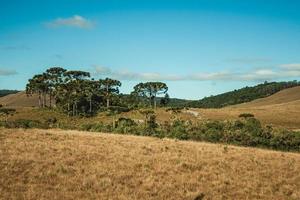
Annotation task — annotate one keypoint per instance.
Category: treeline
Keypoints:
(76, 93)
(7, 92)
(243, 95)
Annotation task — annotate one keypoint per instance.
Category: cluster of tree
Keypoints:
(243, 95)
(75, 92)
(7, 92)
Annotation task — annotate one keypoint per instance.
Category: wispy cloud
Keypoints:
(58, 56)
(292, 66)
(249, 60)
(15, 47)
(7, 72)
(75, 21)
(129, 75)
(263, 74)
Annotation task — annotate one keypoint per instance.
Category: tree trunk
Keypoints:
(107, 98)
(44, 100)
(50, 100)
(73, 109)
(114, 122)
(154, 101)
(76, 109)
(107, 103)
(40, 100)
(68, 109)
(91, 105)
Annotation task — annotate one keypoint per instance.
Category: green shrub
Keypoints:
(126, 125)
(100, 127)
(51, 121)
(178, 130)
(118, 109)
(286, 140)
(24, 123)
(87, 127)
(151, 126)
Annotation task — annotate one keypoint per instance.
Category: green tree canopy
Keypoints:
(150, 90)
(110, 88)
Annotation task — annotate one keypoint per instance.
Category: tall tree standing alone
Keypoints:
(150, 90)
(110, 88)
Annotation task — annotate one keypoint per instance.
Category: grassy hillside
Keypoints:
(20, 99)
(7, 92)
(290, 95)
(54, 164)
(243, 95)
(281, 109)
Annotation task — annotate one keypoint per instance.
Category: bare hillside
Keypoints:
(20, 99)
(53, 164)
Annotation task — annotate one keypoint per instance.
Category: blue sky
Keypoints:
(199, 48)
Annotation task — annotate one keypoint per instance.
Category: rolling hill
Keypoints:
(243, 95)
(56, 164)
(20, 99)
(7, 92)
(281, 109)
(287, 96)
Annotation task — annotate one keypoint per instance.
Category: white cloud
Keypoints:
(7, 72)
(293, 66)
(76, 21)
(264, 74)
(129, 75)
(102, 70)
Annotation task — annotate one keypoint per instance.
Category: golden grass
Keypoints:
(55, 164)
(21, 99)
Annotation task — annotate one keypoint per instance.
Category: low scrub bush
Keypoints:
(126, 125)
(96, 127)
(24, 123)
(246, 132)
(118, 109)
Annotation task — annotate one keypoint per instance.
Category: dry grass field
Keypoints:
(55, 164)
(20, 99)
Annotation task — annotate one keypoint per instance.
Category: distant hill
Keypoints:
(243, 95)
(281, 109)
(7, 92)
(19, 99)
(286, 96)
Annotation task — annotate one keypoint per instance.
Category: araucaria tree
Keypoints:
(150, 90)
(56, 78)
(38, 85)
(76, 93)
(110, 88)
